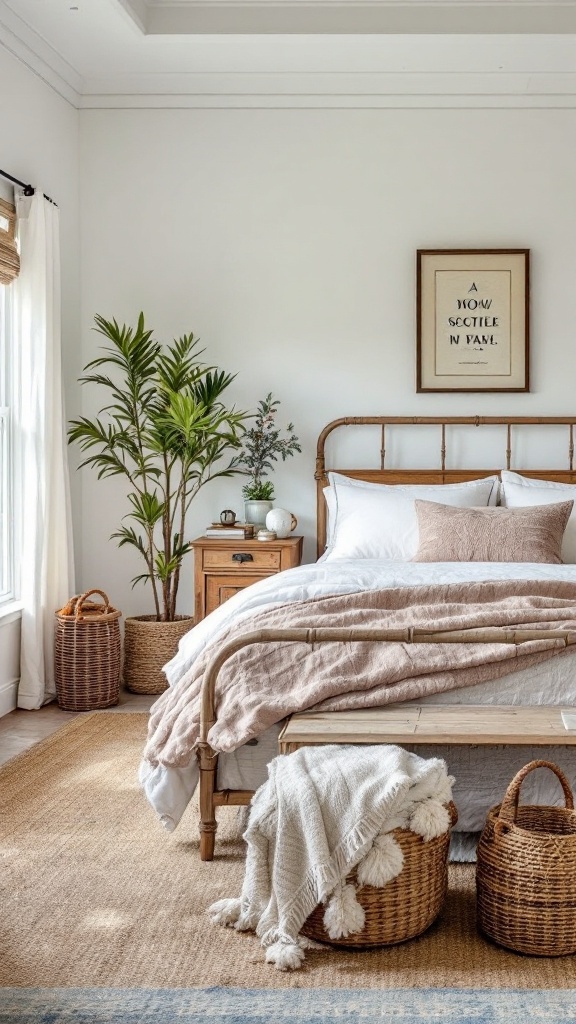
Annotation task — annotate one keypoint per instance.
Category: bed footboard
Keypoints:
(211, 797)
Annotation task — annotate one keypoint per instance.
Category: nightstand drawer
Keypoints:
(260, 560)
(218, 575)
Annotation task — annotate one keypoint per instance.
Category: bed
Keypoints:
(353, 563)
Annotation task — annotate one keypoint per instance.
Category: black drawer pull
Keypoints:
(242, 556)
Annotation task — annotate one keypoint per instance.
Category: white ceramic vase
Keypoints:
(281, 521)
(255, 512)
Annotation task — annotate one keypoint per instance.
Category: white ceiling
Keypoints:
(158, 17)
(298, 52)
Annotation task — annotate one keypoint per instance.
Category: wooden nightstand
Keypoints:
(223, 567)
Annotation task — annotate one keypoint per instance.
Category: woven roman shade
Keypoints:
(9, 258)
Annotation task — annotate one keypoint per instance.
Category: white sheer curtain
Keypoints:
(45, 542)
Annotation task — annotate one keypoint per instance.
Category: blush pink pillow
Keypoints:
(448, 534)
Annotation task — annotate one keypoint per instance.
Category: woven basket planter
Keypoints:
(406, 906)
(148, 645)
(526, 872)
(87, 653)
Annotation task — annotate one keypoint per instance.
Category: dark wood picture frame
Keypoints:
(473, 320)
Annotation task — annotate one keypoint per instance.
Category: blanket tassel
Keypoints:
(225, 912)
(286, 956)
(343, 915)
(430, 819)
(382, 863)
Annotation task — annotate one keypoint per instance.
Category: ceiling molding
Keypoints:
(335, 102)
(534, 82)
(305, 89)
(39, 57)
(137, 11)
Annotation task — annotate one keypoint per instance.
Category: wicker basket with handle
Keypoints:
(404, 907)
(87, 653)
(526, 872)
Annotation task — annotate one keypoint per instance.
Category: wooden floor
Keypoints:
(21, 729)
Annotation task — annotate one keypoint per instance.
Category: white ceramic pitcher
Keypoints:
(281, 522)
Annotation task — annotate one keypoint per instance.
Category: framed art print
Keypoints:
(473, 319)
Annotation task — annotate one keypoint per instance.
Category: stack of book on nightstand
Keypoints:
(240, 531)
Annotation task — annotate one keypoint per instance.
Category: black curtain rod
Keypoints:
(29, 190)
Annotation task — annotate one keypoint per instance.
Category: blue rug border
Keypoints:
(293, 1004)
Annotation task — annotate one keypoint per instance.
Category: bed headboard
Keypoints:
(441, 475)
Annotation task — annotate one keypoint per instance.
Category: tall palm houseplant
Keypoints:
(166, 430)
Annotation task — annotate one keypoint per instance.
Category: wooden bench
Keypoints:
(409, 723)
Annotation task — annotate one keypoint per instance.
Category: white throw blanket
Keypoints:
(323, 811)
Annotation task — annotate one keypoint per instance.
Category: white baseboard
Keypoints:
(9, 659)
(8, 696)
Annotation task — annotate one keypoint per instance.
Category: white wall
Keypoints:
(286, 239)
(40, 146)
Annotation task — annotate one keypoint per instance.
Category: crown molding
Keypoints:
(31, 50)
(137, 11)
(349, 90)
(342, 102)
(284, 90)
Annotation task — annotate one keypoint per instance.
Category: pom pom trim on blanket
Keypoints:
(343, 915)
(382, 863)
(323, 812)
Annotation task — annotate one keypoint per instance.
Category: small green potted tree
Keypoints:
(166, 430)
(262, 445)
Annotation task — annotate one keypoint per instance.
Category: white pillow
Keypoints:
(529, 481)
(520, 491)
(379, 520)
(416, 489)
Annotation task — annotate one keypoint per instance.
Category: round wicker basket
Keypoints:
(404, 907)
(87, 654)
(148, 645)
(526, 872)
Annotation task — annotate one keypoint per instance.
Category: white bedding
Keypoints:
(482, 774)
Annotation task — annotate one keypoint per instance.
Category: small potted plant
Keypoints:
(262, 445)
(166, 431)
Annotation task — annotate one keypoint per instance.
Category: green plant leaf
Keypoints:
(164, 426)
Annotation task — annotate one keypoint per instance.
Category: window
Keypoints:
(7, 568)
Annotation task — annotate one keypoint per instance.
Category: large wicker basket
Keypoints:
(406, 906)
(148, 645)
(526, 872)
(87, 653)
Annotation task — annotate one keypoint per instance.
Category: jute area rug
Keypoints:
(93, 892)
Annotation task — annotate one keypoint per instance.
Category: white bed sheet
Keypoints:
(482, 774)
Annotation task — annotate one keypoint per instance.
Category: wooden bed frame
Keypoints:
(210, 796)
